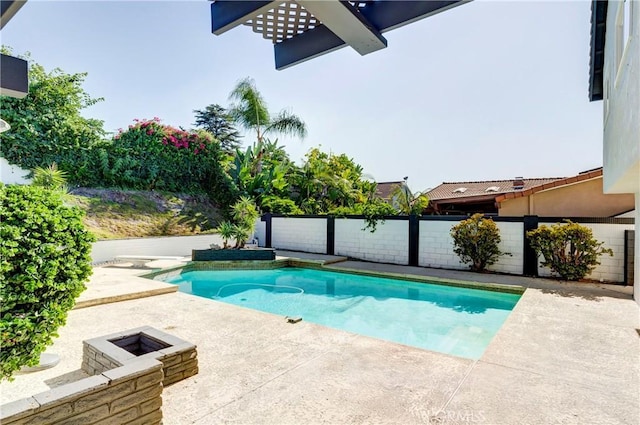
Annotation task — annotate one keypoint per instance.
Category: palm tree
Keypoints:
(250, 111)
(409, 203)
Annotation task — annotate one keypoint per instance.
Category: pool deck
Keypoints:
(568, 353)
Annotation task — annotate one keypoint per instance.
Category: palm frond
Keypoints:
(289, 124)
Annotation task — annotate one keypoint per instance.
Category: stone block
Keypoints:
(181, 367)
(71, 391)
(168, 380)
(150, 379)
(120, 418)
(153, 418)
(112, 392)
(133, 369)
(18, 409)
(150, 405)
(136, 398)
(47, 416)
(88, 417)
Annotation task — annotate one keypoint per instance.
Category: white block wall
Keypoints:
(260, 231)
(436, 246)
(103, 251)
(299, 234)
(511, 241)
(12, 174)
(611, 269)
(388, 244)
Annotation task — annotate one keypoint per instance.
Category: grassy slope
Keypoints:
(116, 214)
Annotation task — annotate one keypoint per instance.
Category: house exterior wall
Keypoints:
(300, 234)
(583, 199)
(622, 108)
(388, 244)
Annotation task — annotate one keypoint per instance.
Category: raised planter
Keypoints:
(233, 254)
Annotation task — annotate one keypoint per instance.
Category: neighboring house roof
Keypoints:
(596, 59)
(583, 176)
(464, 191)
(384, 190)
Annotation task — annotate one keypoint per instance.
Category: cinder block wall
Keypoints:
(611, 269)
(436, 246)
(126, 395)
(299, 234)
(388, 244)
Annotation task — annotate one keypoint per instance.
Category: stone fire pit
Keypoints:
(179, 358)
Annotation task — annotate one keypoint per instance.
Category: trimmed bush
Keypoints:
(476, 242)
(44, 263)
(568, 249)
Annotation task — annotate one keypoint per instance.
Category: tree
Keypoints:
(250, 111)
(47, 125)
(407, 202)
(216, 120)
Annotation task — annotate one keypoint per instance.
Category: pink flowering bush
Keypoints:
(150, 155)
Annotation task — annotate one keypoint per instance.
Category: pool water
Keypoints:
(453, 320)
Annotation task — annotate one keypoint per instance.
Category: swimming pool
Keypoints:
(447, 319)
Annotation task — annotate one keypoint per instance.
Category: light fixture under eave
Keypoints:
(4, 126)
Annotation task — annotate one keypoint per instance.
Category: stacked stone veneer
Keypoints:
(124, 389)
(129, 394)
(179, 359)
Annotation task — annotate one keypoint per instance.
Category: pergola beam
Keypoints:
(8, 8)
(347, 23)
(381, 15)
(228, 14)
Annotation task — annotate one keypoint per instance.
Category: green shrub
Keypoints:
(568, 249)
(476, 242)
(152, 156)
(44, 262)
(245, 214)
(277, 205)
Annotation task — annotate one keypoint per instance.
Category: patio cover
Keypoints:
(304, 29)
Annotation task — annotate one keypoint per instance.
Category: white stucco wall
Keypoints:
(299, 234)
(622, 110)
(388, 244)
(103, 251)
(12, 174)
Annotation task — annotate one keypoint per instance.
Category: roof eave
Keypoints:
(596, 56)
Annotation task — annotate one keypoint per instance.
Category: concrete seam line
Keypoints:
(464, 378)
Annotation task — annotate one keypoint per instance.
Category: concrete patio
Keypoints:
(568, 353)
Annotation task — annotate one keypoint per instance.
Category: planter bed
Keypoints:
(233, 254)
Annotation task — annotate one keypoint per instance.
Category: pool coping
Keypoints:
(322, 265)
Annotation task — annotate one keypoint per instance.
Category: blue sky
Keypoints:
(487, 90)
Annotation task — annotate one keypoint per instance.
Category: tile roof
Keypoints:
(586, 175)
(480, 188)
(385, 189)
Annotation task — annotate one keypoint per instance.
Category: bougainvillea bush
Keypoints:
(152, 156)
(44, 263)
